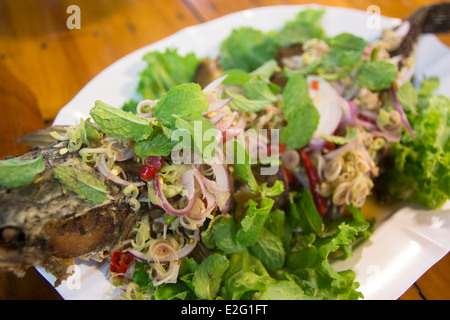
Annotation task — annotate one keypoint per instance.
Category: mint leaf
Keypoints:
(269, 249)
(300, 113)
(236, 77)
(82, 183)
(376, 75)
(197, 125)
(265, 71)
(310, 220)
(120, 123)
(257, 89)
(243, 104)
(346, 52)
(16, 173)
(224, 234)
(182, 108)
(157, 144)
(283, 290)
(208, 276)
(183, 101)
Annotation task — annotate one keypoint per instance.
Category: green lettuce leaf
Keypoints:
(420, 165)
(164, 71)
(306, 25)
(253, 222)
(247, 49)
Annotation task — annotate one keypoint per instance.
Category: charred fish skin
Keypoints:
(45, 224)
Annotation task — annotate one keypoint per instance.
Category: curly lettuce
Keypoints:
(419, 171)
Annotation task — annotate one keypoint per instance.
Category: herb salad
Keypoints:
(350, 120)
(252, 178)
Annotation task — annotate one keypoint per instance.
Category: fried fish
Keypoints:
(44, 223)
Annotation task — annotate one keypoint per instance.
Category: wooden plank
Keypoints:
(55, 62)
(435, 283)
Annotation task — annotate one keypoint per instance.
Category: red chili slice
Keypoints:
(314, 181)
(150, 167)
(120, 261)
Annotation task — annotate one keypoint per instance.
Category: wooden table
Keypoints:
(43, 64)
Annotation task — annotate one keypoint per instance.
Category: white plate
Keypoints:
(402, 248)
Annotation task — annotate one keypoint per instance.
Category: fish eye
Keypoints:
(12, 236)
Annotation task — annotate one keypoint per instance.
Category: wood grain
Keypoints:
(43, 65)
(55, 62)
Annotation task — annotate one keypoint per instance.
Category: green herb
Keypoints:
(120, 123)
(157, 144)
(251, 92)
(269, 249)
(130, 106)
(16, 173)
(236, 77)
(275, 190)
(164, 71)
(376, 75)
(181, 101)
(243, 168)
(199, 129)
(247, 278)
(253, 222)
(407, 96)
(140, 275)
(224, 235)
(310, 220)
(247, 49)
(308, 261)
(208, 276)
(347, 51)
(182, 108)
(86, 187)
(242, 103)
(349, 136)
(92, 134)
(420, 173)
(306, 25)
(184, 288)
(429, 85)
(300, 112)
